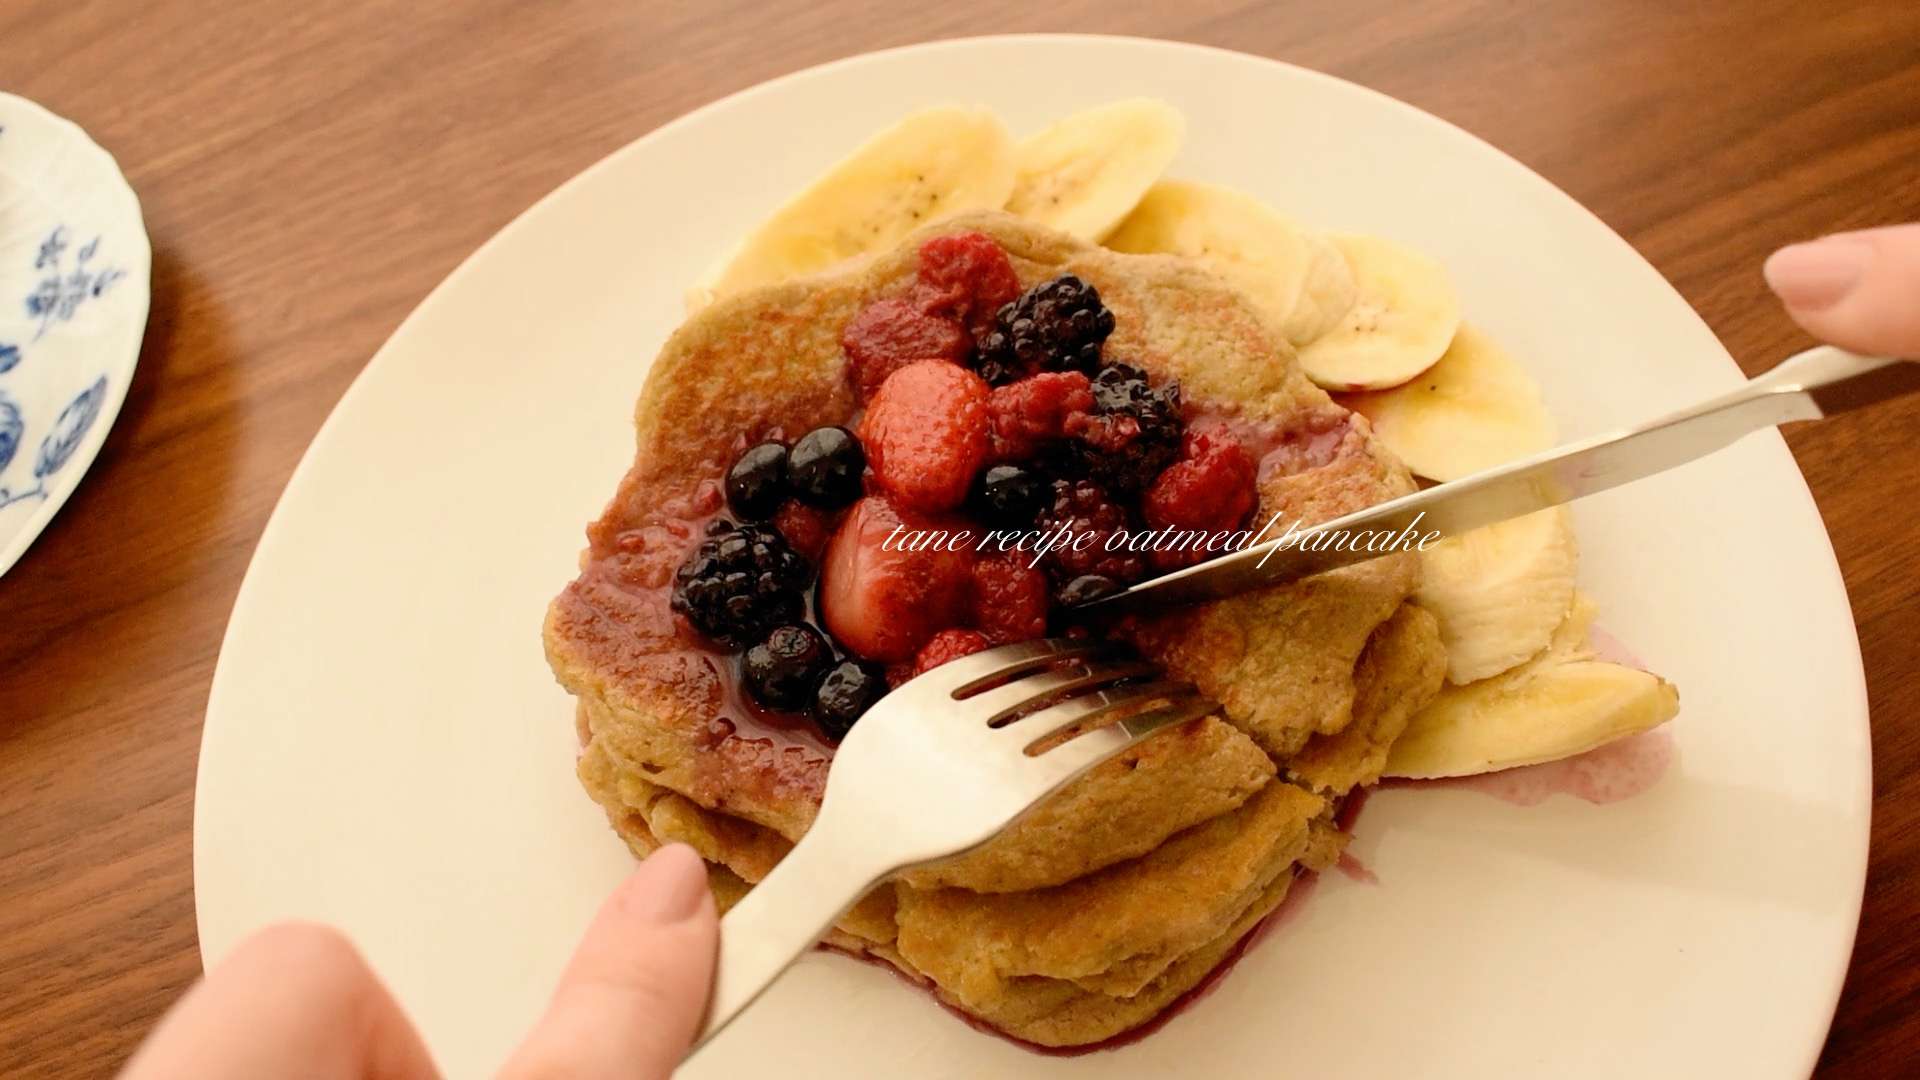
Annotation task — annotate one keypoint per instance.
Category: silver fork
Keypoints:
(940, 765)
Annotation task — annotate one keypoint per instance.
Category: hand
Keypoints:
(1858, 290)
(298, 1000)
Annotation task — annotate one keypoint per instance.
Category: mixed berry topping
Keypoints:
(1024, 417)
(887, 335)
(986, 407)
(1210, 489)
(883, 600)
(1057, 325)
(757, 482)
(948, 645)
(1009, 600)
(1133, 431)
(925, 434)
(825, 467)
(805, 528)
(966, 277)
(784, 671)
(1009, 496)
(845, 694)
(1087, 511)
(740, 581)
(1087, 587)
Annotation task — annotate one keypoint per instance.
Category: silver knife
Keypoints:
(1811, 385)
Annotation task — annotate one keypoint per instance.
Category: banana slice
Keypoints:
(1254, 247)
(1500, 591)
(1554, 707)
(1473, 410)
(1403, 316)
(1326, 295)
(933, 164)
(1084, 173)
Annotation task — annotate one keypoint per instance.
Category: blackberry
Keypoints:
(1057, 325)
(740, 581)
(825, 466)
(848, 691)
(1088, 512)
(757, 483)
(1133, 431)
(783, 671)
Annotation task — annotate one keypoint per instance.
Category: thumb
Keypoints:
(1858, 290)
(633, 995)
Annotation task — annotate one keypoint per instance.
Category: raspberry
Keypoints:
(1057, 325)
(966, 277)
(1132, 433)
(889, 334)
(925, 433)
(805, 529)
(1090, 516)
(948, 645)
(1028, 414)
(1211, 489)
(1009, 601)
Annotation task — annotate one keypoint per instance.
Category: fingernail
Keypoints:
(669, 885)
(1817, 274)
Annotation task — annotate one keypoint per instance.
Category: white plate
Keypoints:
(386, 750)
(74, 267)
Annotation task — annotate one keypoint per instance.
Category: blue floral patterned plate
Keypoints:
(74, 268)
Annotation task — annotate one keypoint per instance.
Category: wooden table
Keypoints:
(310, 170)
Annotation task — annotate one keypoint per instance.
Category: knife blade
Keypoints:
(1811, 385)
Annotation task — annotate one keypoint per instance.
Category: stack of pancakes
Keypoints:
(1102, 906)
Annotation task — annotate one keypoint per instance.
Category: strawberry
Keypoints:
(1009, 600)
(884, 602)
(948, 645)
(889, 334)
(925, 434)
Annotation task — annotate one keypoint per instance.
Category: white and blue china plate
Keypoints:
(74, 287)
(386, 750)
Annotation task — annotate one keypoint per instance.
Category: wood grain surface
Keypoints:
(310, 170)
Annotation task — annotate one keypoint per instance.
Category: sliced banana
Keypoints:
(1403, 316)
(1326, 294)
(1082, 174)
(1257, 249)
(1500, 591)
(933, 164)
(1552, 708)
(1473, 410)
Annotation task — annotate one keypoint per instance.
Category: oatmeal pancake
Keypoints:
(1105, 903)
(1280, 661)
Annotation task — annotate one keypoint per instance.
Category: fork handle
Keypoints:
(786, 914)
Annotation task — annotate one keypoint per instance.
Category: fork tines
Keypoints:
(1052, 694)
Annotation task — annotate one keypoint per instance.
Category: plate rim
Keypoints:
(116, 182)
(1851, 697)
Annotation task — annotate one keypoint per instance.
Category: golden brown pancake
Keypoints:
(1104, 904)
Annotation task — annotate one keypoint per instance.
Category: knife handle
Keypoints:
(1839, 381)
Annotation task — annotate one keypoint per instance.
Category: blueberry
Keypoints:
(782, 671)
(1009, 496)
(825, 467)
(757, 483)
(1086, 587)
(849, 690)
